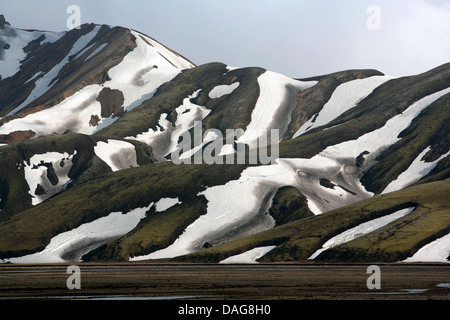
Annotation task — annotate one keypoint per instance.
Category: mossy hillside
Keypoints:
(298, 240)
(166, 99)
(13, 185)
(429, 128)
(156, 231)
(311, 100)
(230, 111)
(387, 100)
(32, 229)
(288, 205)
(397, 241)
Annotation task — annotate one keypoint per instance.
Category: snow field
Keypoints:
(80, 106)
(117, 154)
(386, 135)
(112, 226)
(345, 97)
(229, 206)
(275, 88)
(222, 90)
(236, 200)
(360, 230)
(249, 256)
(92, 234)
(416, 171)
(436, 251)
(43, 84)
(140, 73)
(143, 70)
(17, 40)
(36, 173)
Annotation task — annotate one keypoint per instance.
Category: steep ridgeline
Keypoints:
(92, 119)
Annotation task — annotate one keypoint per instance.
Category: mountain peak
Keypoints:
(3, 21)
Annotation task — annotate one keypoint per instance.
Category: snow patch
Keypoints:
(74, 113)
(436, 251)
(166, 203)
(416, 171)
(36, 173)
(249, 256)
(164, 139)
(143, 70)
(275, 92)
(360, 230)
(345, 97)
(117, 154)
(43, 84)
(106, 228)
(18, 39)
(96, 51)
(222, 90)
(384, 136)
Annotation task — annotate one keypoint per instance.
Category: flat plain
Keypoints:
(162, 281)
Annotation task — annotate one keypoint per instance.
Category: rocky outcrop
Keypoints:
(3, 22)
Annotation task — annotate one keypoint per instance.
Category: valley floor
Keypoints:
(166, 281)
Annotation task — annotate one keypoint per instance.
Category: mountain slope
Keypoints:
(396, 241)
(89, 171)
(88, 69)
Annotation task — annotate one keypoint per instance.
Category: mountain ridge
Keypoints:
(87, 170)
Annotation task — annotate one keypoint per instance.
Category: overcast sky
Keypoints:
(299, 38)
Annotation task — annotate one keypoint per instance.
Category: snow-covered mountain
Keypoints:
(92, 118)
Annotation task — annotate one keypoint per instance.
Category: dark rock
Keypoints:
(360, 159)
(111, 101)
(40, 190)
(3, 22)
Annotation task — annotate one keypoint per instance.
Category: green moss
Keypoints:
(298, 240)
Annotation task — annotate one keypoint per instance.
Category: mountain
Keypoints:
(115, 147)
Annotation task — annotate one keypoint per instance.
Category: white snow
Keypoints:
(221, 90)
(106, 228)
(226, 149)
(74, 113)
(436, 251)
(208, 137)
(37, 174)
(164, 140)
(238, 201)
(34, 77)
(360, 230)
(229, 206)
(18, 39)
(43, 84)
(345, 97)
(150, 135)
(166, 203)
(384, 136)
(249, 256)
(117, 154)
(137, 77)
(416, 171)
(275, 88)
(230, 68)
(100, 48)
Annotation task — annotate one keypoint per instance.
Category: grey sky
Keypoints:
(299, 38)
